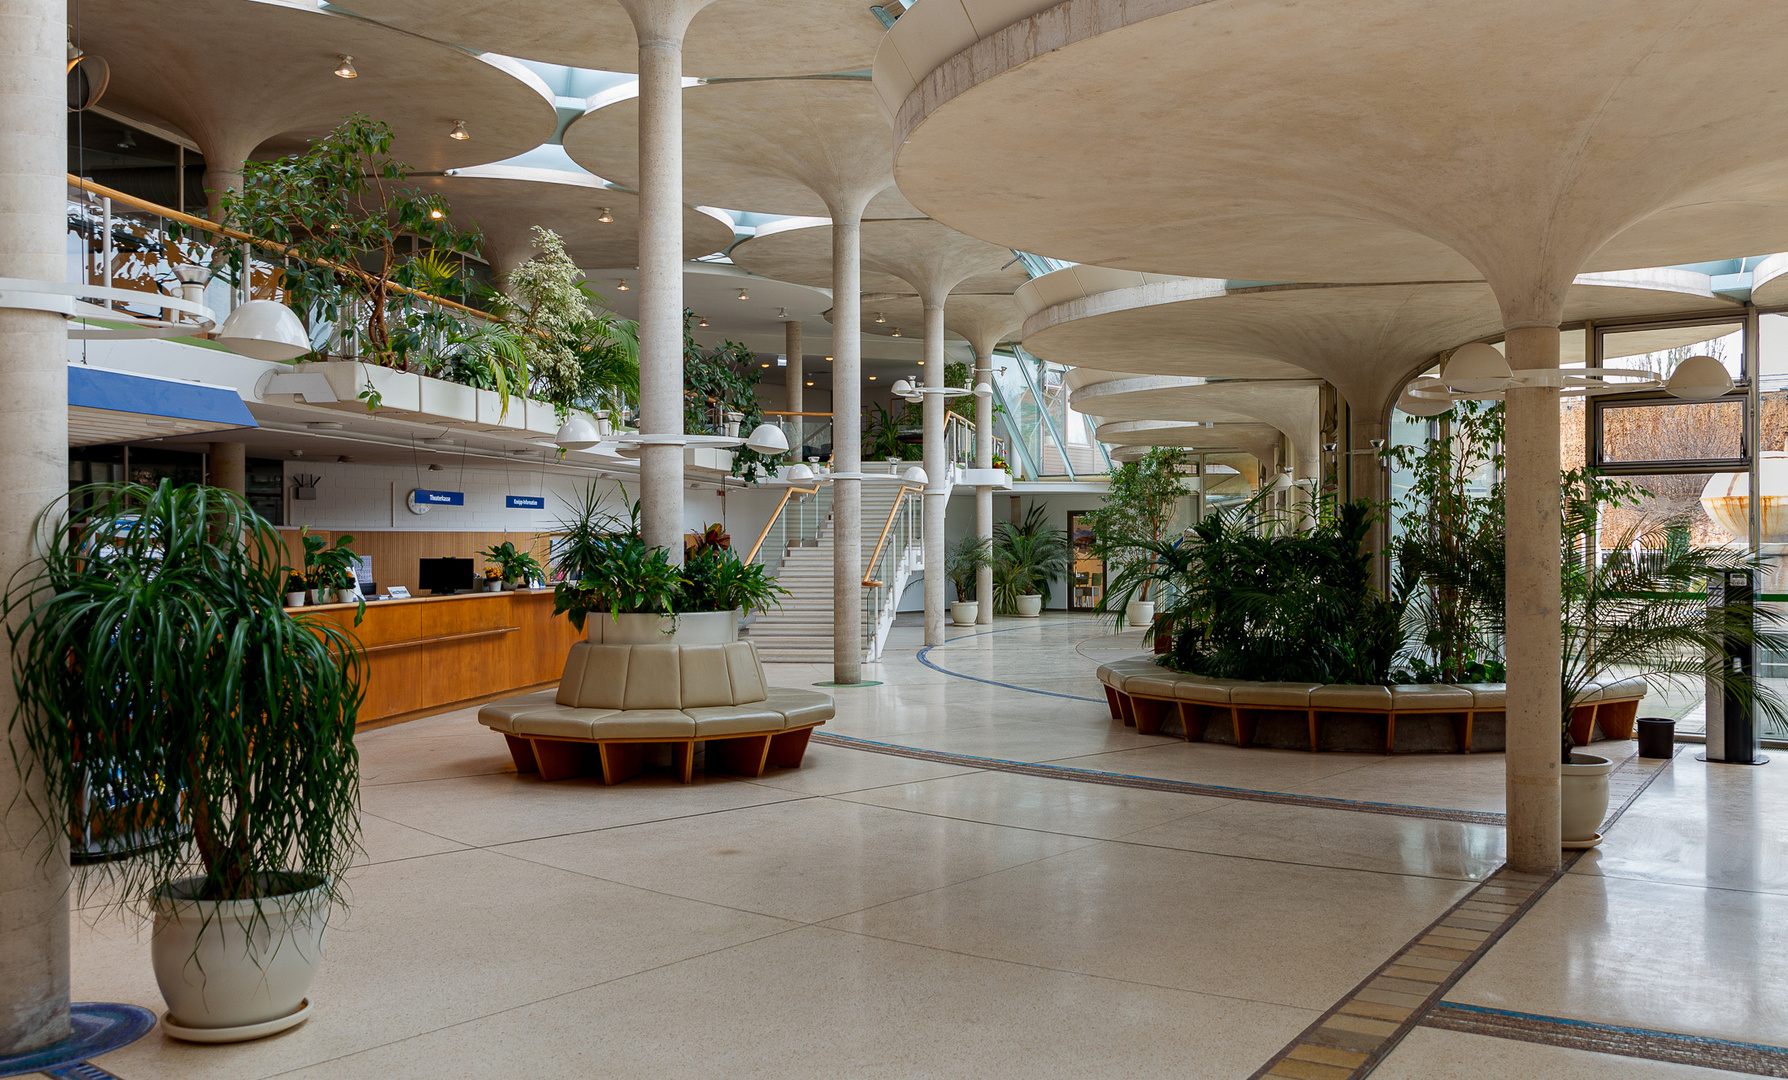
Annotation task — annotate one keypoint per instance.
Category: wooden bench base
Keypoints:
(747, 754)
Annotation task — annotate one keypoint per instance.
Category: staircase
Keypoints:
(801, 631)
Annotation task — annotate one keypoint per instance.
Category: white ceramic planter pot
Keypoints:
(689, 628)
(963, 612)
(236, 969)
(1030, 607)
(1139, 612)
(295, 599)
(1583, 799)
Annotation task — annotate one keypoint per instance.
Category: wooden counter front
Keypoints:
(431, 654)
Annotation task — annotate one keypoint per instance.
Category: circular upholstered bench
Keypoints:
(616, 702)
(1144, 694)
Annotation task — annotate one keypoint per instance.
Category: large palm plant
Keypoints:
(1647, 615)
(1027, 557)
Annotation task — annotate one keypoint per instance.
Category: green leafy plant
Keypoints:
(1140, 502)
(963, 561)
(721, 380)
(352, 225)
(1448, 550)
(1647, 615)
(577, 353)
(1027, 557)
(513, 564)
(581, 541)
(157, 671)
(621, 577)
(1247, 596)
(881, 433)
(326, 565)
(714, 579)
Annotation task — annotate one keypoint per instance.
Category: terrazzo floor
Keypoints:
(943, 890)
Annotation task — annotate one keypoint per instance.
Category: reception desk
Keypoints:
(430, 654)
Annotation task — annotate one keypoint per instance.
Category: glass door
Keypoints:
(1085, 570)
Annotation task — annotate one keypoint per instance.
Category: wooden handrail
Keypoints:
(869, 567)
(235, 234)
(751, 558)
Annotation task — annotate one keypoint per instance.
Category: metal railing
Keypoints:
(798, 521)
(118, 240)
(809, 434)
(899, 553)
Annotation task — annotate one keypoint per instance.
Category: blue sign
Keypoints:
(525, 502)
(439, 498)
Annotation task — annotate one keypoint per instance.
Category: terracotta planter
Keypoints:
(1583, 799)
(688, 628)
(237, 969)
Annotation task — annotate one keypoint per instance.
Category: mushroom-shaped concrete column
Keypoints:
(33, 475)
(240, 78)
(934, 259)
(802, 147)
(984, 320)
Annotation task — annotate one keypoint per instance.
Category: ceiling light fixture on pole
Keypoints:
(912, 391)
(1479, 372)
(345, 69)
(459, 131)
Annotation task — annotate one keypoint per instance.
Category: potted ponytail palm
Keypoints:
(159, 678)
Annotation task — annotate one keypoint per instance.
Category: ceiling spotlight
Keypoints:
(345, 69)
(345, 459)
(763, 365)
(809, 382)
(459, 131)
(872, 378)
(297, 453)
(605, 217)
(436, 214)
(743, 295)
(897, 331)
(880, 318)
(782, 313)
(828, 359)
(622, 287)
(703, 322)
(437, 468)
(129, 141)
(921, 363)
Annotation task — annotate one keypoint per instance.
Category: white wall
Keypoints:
(358, 496)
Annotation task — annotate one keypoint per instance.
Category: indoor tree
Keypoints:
(1139, 505)
(718, 381)
(578, 353)
(1027, 556)
(351, 225)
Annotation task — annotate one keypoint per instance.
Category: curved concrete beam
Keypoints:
(805, 147)
(1293, 407)
(1769, 281)
(732, 38)
(248, 79)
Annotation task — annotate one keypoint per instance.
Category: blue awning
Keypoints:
(106, 405)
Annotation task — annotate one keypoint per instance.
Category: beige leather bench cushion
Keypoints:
(1159, 684)
(1118, 673)
(1625, 690)
(716, 720)
(1205, 691)
(800, 708)
(1348, 696)
(1487, 695)
(643, 724)
(1273, 695)
(557, 722)
(500, 715)
(635, 677)
(1437, 696)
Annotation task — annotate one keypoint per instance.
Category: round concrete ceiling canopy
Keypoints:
(731, 38)
(1255, 440)
(1366, 340)
(508, 202)
(1290, 406)
(1769, 281)
(239, 77)
(1382, 140)
(780, 146)
(892, 250)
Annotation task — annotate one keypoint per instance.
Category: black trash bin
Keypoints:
(1657, 737)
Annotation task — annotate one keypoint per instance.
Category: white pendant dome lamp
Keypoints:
(577, 433)
(264, 330)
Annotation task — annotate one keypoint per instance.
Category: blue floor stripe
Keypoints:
(924, 658)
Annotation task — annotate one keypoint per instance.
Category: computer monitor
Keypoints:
(443, 576)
